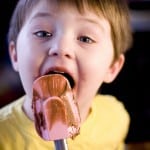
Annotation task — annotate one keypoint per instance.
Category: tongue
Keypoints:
(55, 109)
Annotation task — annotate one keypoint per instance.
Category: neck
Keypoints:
(27, 108)
(85, 110)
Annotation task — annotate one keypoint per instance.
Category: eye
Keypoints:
(86, 39)
(43, 34)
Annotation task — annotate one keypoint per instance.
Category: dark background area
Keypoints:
(132, 86)
(10, 86)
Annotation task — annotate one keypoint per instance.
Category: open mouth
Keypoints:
(66, 75)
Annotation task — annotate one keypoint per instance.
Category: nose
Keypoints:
(61, 46)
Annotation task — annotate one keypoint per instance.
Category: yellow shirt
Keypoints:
(105, 128)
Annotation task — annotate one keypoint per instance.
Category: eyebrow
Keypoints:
(99, 24)
(49, 15)
(41, 15)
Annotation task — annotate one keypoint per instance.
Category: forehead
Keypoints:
(45, 12)
(81, 5)
(44, 7)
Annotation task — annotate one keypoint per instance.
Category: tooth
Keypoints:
(58, 71)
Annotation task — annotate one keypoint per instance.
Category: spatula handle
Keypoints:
(61, 144)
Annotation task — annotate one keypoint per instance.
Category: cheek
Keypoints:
(27, 60)
(29, 63)
(27, 70)
(93, 69)
(30, 56)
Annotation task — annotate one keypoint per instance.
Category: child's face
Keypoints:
(63, 40)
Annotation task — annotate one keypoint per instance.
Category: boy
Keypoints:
(85, 40)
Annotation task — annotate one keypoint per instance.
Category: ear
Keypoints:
(114, 69)
(13, 55)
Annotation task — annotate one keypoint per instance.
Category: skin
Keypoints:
(64, 40)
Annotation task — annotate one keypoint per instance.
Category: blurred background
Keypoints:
(132, 86)
(133, 83)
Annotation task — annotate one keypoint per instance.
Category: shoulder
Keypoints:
(110, 103)
(113, 113)
(8, 122)
(6, 111)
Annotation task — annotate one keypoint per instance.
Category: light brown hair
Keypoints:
(115, 11)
